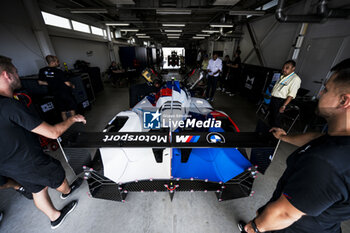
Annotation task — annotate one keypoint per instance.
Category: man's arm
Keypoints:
(233, 66)
(44, 83)
(69, 84)
(54, 131)
(298, 139)
(277, 215)
(286, 102)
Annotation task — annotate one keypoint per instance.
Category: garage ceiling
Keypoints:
(154, 17)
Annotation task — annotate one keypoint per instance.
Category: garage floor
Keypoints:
(196, 212)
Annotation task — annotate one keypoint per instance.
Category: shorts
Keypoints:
(44, 171)
(65, 102)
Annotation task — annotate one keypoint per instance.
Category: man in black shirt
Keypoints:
(22, 158)
(312, 196)
(235, 72)
(59, 86)
(224, 79)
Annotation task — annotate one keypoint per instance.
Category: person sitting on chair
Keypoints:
(115, 71)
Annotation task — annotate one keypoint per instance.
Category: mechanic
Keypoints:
(205, 62)
(115, 72)
(139, 91)
(235, 73)
(59, 86)
(224, 77)
(284, 91)
(313, 196)
(214, 68)
(23, 159)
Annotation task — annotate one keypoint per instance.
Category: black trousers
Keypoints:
(275, 115)
(211, 86)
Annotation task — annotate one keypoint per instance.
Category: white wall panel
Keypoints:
(17, 39)
(69, 50)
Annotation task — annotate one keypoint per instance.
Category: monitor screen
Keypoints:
(275, 77)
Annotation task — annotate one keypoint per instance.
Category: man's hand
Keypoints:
(248, 228)
(278, 132)
(282, 109)
(78, 118)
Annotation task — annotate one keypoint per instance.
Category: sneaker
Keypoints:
(74, 186)
(227, 92)
(64, 212)
(207, 99)
(231, 94)
(1, 216)
(223, 90)
(25, 193)
(218, 89)
(241, 226)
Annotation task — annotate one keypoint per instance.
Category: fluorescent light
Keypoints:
(129, 30)
(173, 37)
(270, 4)
(89, 10)
(173, 25)
(255, 13)
(140, 34)
(202, 35)
(172, 30)
(117, 24)
(144, 37)
(221, 25)
(55, 20)
(211, 31)
(81, 27)
(173, 34)
(198, 37)
(173, 12)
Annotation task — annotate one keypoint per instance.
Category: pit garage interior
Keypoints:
(165, 38)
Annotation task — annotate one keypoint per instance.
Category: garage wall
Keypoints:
(18, 42)
(17, 39)
(325, 45)
(70, 49)
(274, 39)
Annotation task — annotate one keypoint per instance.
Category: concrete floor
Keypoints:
(196, 212)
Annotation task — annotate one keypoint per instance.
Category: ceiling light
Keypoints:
(172, 30)
(88, 10)
(202, 35)
(173, 37)
(173, 34)
(198, 37)
(211, 31)
(173, 25)
(256, 13)
(140, 34)
(144, 37)
(129, 30)
(117, 24)
(173, 12)
(221, 25)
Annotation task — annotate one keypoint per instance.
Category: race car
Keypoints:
(171, 142)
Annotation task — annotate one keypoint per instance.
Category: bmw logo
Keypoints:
(215, 138)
